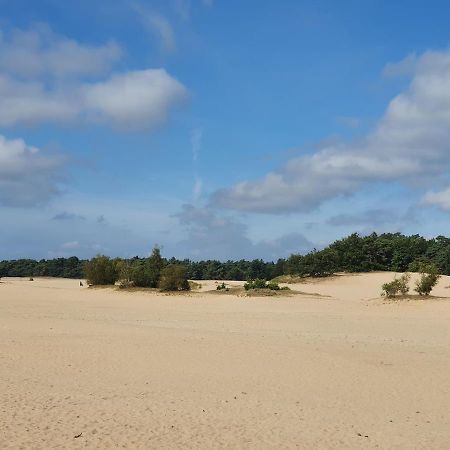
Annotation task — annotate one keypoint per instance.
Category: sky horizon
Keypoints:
(220, 130)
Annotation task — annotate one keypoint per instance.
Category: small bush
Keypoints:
(100, 270)
(273, 286)
(398, 285)
(261, 284)
(222, 287)
(174, 278)
(258, 283)
(428, 279)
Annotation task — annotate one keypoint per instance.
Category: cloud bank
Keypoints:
(45, 77)
(210, 236)
(411, 140)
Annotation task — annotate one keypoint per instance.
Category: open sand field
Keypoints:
(101, 368)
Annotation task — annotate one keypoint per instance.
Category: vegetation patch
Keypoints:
(263, 284)
(193, 285)
(289, 279)
(429, 277)
(174, 278)
(396, 286)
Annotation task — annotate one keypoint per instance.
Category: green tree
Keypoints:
(100, 270)
(147, 272)
(174, 278)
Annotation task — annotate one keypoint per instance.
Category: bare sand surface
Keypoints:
(101, 368)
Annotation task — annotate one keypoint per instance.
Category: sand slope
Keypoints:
(139, 370)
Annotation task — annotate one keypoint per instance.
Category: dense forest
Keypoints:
(355, 253)
(197, 270)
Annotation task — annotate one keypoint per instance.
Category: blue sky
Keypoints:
(220, 129)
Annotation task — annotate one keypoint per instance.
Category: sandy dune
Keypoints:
(201, 371)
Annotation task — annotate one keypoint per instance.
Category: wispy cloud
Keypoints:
(182, 8)
(158, 25)
(406, 66)
(196, 142)
(197, 189)
(68, 216)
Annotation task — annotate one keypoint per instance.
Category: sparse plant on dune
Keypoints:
(429, 277)
(396, 286)
(222, 287)
(261, 284)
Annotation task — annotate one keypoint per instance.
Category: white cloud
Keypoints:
(441, 199)
(37, 87)
(38, 51)
(27, 176)
(139, 99)
(30, 102)
(411, 140)
(71, 245)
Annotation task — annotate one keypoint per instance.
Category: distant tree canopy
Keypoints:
(355, 253)
(389, 251)
(61, 267)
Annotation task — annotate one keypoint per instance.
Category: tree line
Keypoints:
(375, 252)
(355, 253)
(73, 267)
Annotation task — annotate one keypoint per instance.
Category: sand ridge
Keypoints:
(101, 368)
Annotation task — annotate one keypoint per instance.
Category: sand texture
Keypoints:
(101, 368)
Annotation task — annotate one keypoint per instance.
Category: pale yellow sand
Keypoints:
(138, 370)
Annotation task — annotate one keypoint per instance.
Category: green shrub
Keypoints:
(429, 277)
(174, 278)
(100, 270)
(398, 285)
(273, 286)
(258, 283)
(261, 284)
(222, 287)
